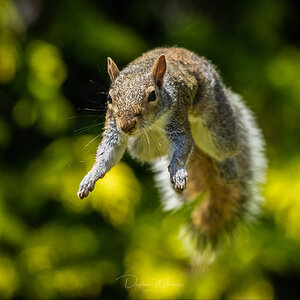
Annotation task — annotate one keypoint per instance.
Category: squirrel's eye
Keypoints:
(109, 100)
(152, 96)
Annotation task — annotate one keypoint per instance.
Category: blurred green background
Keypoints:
(52, 77)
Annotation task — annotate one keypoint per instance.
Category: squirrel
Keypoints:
(170, 108)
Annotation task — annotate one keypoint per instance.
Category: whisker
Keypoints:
(104, 78)
(163, 131)
(97, 119)
(157, 127)
(155, 144)
(147, 137)
(104, 93)
(153, 139)
(92, 140)
(77, 131)
(73, 117)
(98, 103)
(88, 109)
(97, 84)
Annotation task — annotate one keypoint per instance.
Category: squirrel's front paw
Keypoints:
(88, 183)
(179, 179)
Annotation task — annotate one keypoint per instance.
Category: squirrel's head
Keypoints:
(135, 95)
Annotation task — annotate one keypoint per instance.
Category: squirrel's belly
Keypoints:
(201, 136)
(149, 145)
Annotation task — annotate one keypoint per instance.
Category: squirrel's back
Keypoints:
(194, 65)
(176, 54)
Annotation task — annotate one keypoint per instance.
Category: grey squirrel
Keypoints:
(169, 108)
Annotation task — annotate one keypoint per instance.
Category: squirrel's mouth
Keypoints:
(129, 132)
(129, 126)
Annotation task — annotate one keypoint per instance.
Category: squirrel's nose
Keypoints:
(128, 126)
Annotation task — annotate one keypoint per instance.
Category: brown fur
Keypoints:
(113, 70)
(221, 201)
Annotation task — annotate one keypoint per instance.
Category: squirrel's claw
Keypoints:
(179, 180)
(88, 184)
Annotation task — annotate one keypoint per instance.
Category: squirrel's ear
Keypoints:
(112, 69)
(159, 70)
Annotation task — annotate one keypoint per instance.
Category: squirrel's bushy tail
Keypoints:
(220, 202)
(222, 206)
